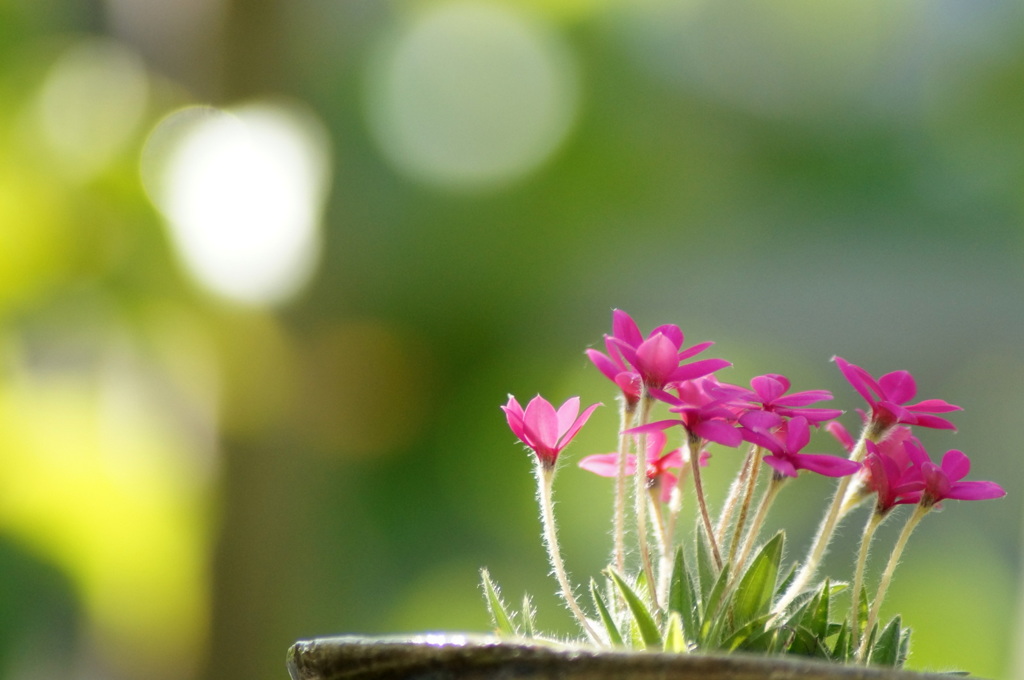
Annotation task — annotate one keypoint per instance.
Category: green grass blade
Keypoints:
(675, 640)
(648, 629)
(886, 649)
(682, 597)
(614, 637)
(499, 612)
(528, 617)
(757, 585)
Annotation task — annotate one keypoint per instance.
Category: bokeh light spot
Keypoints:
(91, 104)
(471, 95)
(242, 192)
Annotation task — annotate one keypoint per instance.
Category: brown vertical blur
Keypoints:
(256, 552)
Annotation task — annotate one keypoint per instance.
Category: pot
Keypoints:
(467, 657)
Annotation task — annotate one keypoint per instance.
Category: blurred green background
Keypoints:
(268, 268)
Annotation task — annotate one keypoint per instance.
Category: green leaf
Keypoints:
(786, 581)
(675, 640)
(682, 598)
(841, 649)
(716, 612)
(904, 650)
(528, 617)
(499, 612)
(706, 572)
(806, 643)
(614, 637)
(886, 649)
(649, 634)
(756, 586)
(747, 634)
(815, 618)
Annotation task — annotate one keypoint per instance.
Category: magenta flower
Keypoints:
(704, 409)
(888, 397)
(945, 480)
(770, 392)
(634, 361)
(658, 464)
(785, 444)
(891, 473)
(546, 431)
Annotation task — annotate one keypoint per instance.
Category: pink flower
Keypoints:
(770, 392)
(888, 397)
(634, 361)
(944, 481)
(891, 473)
(785, 444)
(704, 409)
(658, 464)
(546, 431)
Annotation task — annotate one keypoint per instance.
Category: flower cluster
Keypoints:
(722, 587)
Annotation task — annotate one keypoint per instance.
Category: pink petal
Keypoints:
(668, 482)
(975, 491)
(655, 443)
(898, 386)
(514, 415)
(842, 435)
(857, 377)
(934, 406)
(576, 425)
(935, 422)
(698, 369)
(781, 465)
(769, 387)
(718, 431)
(625, 329)
(935, 481)
(541, 423)
(760, 421)
(670, 331)
(829, 466)
(607, 464)
(656, 426)
(956, 465)
(694, 351)
(803, 398)
(895, 412)
(603, 364)
(656, 359)
(797, 434)
(567, 413)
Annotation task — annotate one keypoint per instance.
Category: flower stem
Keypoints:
(627, 414)
(919, 512)
(774, 486)
(738, 486)
(755, 466)
(693, 443)
(828, 525)
(640, 496)
(874, 521)
(545, 479)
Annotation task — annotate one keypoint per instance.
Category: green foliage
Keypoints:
(707, 610)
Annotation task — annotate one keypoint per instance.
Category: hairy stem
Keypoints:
(693, 443)
(828, 525)
(874, 521)
(894, 559)
(640, 496)
(748, 498)
(736, 489)
(627, 414)
(545, 480)
(774, 486)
